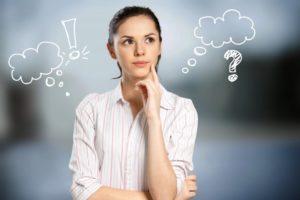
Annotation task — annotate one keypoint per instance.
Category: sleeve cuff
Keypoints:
(85, 193)
(179, 185)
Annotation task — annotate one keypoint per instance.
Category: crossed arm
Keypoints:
(109, 193)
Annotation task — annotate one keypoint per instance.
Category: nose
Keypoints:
(139, 49)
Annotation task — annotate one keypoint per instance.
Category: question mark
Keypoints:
(237, 59)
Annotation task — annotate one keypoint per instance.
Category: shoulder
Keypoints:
(91, 101)
(179, 103)
(184, 112)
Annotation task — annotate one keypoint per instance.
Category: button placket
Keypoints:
(130, 154)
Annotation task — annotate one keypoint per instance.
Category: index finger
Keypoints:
(191, 177)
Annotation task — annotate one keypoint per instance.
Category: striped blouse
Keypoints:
(110, 147)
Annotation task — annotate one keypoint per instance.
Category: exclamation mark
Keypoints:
(69, 26)
(70, 29)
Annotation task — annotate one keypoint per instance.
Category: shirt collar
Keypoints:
(167, 100)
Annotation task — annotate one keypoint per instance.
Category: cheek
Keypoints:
(124, 58)
(124, 53)
(156, 49)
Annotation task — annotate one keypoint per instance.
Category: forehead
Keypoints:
(137, 25)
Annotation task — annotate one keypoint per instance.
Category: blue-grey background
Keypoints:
(248, 144)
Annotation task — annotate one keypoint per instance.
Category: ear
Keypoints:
(111, 51)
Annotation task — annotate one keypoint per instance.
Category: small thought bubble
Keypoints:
(60, 84)
(199, 51)
(192, 62)
(59, 72)
(185, 70)
(50, 81)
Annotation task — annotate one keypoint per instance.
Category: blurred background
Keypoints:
(248, 142)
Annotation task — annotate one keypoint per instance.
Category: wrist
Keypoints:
(153, 119)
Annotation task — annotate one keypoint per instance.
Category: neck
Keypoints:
(129, 91)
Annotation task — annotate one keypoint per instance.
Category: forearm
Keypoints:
(161, 176)
(109, 193)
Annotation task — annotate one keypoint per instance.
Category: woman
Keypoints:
(136, 141)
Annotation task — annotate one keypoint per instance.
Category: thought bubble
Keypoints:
(30, 65)
(199, 51)
(232, 27)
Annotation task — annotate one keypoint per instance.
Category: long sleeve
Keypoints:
(84, 163)
(182, 141)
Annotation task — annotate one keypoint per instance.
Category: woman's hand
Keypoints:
(151, 94)
(189, 188)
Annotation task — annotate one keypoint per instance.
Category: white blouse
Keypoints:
(110, 147)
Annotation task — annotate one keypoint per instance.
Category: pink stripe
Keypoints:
(103, 132)
(179, 139)
(122, 162)
(129, 115)
(192, 133)
(139, 152)
(164, 125)
(112, 148)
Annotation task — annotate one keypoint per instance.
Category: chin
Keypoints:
(140, 75)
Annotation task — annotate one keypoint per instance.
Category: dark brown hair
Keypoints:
(124, 14)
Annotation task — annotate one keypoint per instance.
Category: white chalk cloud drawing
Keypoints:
(29, 66)
(215, 32)
(232, 27)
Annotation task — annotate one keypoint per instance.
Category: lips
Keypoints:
(140, 63)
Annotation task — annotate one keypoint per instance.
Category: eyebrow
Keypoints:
(126, 36)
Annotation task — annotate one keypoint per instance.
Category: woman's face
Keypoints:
(136, 46)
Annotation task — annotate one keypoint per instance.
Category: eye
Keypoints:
(150, 40)
(127, 42)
